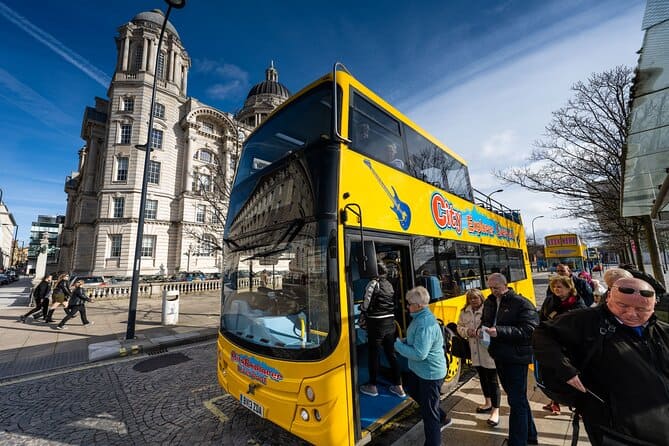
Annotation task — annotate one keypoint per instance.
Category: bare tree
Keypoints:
(579, 160)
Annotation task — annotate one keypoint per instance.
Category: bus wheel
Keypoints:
(452, 376)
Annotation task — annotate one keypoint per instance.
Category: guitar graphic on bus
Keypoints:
(400, 208)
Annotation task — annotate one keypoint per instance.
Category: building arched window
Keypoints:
(137, 60)
(207, 245)
(160, 66)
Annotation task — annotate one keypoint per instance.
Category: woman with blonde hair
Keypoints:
(61, 294)
(468, 323)
(562, 299)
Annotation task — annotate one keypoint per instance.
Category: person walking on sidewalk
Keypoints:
(469, 322)
(510, 319)
(424, 349)
(61, 294)
(41, 295)
(379, 307)
(77, 305)
(562, 299)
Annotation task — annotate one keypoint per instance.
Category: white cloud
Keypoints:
(493, 118)
(55, 45)
(231, 79)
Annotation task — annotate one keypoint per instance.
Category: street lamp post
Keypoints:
(534, 240)
(132, 308)
(491, 194)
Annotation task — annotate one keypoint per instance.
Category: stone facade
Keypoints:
(192, 142)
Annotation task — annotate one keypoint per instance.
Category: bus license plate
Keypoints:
(251, 405)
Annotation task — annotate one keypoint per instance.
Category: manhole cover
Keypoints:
(159, 362)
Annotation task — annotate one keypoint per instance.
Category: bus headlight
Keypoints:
(310, 393)
(317, 415)
(304, 414)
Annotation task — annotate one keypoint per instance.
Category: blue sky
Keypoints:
(481, 75)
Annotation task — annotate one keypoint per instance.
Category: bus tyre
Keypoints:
(452, 377)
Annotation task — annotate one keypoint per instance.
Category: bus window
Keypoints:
(516, 265)
(429, 163)
(467, 265)
(306, 121)
(425, 266)
(376, 133)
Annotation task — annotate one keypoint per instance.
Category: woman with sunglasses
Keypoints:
(563, 298)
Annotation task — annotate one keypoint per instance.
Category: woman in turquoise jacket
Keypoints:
(423, 347)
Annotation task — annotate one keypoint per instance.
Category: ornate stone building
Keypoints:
(190, 143)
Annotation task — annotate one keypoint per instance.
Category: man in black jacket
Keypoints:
(582, 288)
(41, 295)
(379, 307)
(628, 372)
(510, 319)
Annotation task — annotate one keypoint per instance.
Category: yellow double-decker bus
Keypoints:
(333, 181)
(567, 249)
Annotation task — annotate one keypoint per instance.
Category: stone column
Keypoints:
(126, 51)
(152, 59)
(145, 51)
(188, 175)
(170, 72)
(184, 80)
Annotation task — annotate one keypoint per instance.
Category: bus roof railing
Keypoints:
(483, 200)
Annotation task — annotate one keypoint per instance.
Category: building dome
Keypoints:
(155, 16)
(270, 85)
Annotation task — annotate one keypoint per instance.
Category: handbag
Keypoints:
(460, 347)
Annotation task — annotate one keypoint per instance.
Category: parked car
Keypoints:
(4, 279)
(185, 276)
(11, 274)
(90, 281)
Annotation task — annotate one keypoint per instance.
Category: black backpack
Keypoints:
(557, 389)
(447, 337)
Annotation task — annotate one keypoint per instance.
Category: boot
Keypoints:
(49, 316)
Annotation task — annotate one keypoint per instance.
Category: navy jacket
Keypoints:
(516, 320)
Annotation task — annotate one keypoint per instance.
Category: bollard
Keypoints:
(170, 315)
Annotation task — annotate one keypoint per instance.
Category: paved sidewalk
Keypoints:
(470, 428)
(34, 346)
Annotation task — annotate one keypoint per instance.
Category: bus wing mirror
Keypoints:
(367, 260)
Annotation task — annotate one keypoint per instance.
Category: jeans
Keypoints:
(72, 312)
(426, 393)
(521, 424)
(381, 332)
(489, 384)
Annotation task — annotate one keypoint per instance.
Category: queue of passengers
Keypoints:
(624, 388)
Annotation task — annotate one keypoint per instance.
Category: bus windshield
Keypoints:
(303, 122)
(275, 293)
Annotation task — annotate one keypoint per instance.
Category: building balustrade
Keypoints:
(152, 290)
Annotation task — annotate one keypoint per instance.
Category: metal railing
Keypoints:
(483, 200)
(152, 290)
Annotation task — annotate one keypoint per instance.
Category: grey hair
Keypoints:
(497, 277)
(418, 295)
(613, 274)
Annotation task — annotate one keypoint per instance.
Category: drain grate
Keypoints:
(156, 351)
(159, 362)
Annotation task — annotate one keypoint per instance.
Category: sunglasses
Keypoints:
(626, 290)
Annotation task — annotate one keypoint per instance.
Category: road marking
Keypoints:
(210, 404)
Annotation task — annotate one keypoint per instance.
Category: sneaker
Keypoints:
(59, 327)
(397, 390)
(445, 423)
(369, 389)
(89, 323)
(22, 319)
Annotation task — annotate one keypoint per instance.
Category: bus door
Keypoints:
(373, 412)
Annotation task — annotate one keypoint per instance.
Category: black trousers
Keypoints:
(73, 310)
(489, 384)
(40, 305)
(381, 332)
